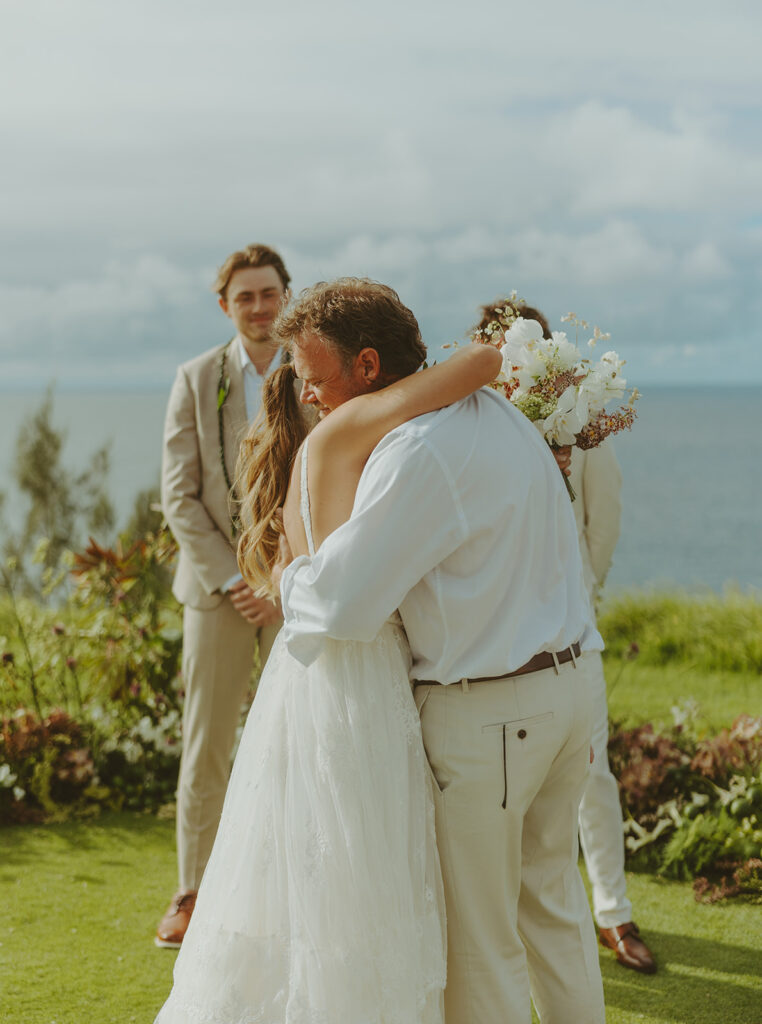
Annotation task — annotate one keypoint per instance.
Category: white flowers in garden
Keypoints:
(7, 780)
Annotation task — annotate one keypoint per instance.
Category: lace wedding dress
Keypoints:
(322, 902)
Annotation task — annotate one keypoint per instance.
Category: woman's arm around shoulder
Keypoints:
(357, 426)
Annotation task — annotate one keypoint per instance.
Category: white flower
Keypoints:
(582, 409)
(534, 356)
(521, 331)
(7, 776)
(521, 337)
(532, 366)
(610, 364)
(132, 751)
(506, 371)
(146, 731)
(566, 421)
(604, 382)
(566, 356)
(18, 793)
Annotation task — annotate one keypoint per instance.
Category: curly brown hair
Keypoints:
(354, 313)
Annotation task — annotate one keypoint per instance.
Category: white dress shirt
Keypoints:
(252, 378)
(462, 522)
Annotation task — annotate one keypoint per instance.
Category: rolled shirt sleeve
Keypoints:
(406, 519)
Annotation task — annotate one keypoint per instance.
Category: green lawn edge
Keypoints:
(81, 901)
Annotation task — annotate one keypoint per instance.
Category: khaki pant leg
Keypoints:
(600, 818)
(498, 741)
(218, 653)
(479, 842)
(554, 916)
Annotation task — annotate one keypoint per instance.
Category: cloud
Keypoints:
(618, 161)
(614, 253)
(705, 262)
(455, 151)
(617, 251)
(121, 290)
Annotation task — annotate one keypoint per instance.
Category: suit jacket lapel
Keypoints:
(234, 418)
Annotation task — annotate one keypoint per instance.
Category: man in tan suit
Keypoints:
(597, 482)
(214, 398)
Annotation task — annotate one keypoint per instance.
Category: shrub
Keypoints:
(90, 706)
(649, 767)
(90, 712)
(693, 808)
(733, 750)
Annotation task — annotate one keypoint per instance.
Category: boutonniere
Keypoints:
(223, 390)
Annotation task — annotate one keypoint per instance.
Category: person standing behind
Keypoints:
(213, 399)
(596, 479)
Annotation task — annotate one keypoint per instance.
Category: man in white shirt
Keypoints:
(462, 522)
(214, 398)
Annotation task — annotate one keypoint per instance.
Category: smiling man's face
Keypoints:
(326, 381)
(252, 300)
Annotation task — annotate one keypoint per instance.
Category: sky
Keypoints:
(596, 157)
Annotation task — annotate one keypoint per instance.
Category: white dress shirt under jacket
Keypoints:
(253, 379)
(462, 522)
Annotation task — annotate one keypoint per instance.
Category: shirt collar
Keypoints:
(246, 364)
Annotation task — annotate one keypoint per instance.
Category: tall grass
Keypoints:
(707, 632)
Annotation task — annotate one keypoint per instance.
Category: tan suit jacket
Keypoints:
(194, 492)
(597, 482)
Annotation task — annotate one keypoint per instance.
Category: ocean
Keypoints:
(692, 468)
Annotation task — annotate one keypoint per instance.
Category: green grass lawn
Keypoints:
(80, 902)
(640, 693)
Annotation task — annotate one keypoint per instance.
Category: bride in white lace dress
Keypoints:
(322, 902)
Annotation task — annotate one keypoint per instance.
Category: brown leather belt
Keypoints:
(536, 664)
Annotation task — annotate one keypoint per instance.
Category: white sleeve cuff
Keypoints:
(231, 582)
(303, 640)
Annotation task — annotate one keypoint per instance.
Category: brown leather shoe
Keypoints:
(629, 947)
(174, 924)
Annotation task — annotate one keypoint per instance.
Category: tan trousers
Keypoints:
(510, 760)
(600, 819)
(218, 652)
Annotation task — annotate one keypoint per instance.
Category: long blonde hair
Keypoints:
(262, 475)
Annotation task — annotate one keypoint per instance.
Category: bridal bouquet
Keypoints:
(551, 383)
